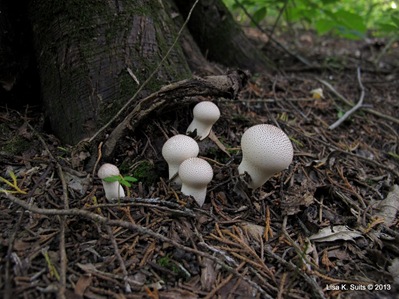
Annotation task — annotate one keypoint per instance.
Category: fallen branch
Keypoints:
(227, 86)
(354, 108)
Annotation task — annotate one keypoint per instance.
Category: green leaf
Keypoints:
(324, 25)
(387, 27)
(111, 179)
(327, 2)
(125, 183)
(259, 15)
(130, 179)
(350, 24)
(395, 19)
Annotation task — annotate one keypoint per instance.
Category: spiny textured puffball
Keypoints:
(177, 149)
(205, 115)
(266, 150)
(113, 190)
(195, 174)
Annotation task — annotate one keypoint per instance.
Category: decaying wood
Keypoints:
(227, 86)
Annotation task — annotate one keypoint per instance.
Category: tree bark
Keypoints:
(85, 51)
(92, 56)
(220, 38)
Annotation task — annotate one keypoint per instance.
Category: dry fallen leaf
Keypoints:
(388, 208)
(338, 232)
(255, 231)
(208, 274)
(297, 197)
(83, 283)
(394, 269)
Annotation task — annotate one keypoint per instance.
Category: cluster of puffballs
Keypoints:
(266, 150)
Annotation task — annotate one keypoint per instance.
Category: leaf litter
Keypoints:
(329, 219)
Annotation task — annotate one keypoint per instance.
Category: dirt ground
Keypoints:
(326, 227)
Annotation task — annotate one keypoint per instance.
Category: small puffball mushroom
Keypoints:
(266, 150)
(113, 190)
(195, 174)
(205, 115)
(177, 149)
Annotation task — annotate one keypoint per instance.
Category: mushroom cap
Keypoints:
(266, 150)
(205, 115)
(195, 172)
(107, 170)
(179, 148)
(206, 111)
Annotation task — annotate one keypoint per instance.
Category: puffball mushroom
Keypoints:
(266, 150)
(205, 115)
(113, 190)
(195, 174)
(177, 149)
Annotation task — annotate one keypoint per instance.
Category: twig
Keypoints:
(129, 102)
(7, 282)
(333, 90)
(212, 293)
(317, 291)
(157, 203)
(281, 287)
(133, 227)
(119, 257)
(349, 103)
(365, 159)
(354, 108)
(63, 255)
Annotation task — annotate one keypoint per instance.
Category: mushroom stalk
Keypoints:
(199, 194)
(113, 190)
(195, 174)
(205, 115)
(257, 176)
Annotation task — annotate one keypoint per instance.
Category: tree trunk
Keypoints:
(85, 51)
(92, 56)
(220, 38)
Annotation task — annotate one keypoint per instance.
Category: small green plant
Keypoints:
(123, 180)
(52, 269)
(167, 263)
(393, 155)
(13, 185)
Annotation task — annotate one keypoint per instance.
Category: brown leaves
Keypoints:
(298, 196)
(82, 284)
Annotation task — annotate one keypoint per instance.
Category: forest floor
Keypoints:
(324, 228)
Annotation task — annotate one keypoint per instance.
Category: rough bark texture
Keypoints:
(220, 38)
(84, 50)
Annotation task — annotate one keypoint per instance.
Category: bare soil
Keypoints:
(59, 235)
